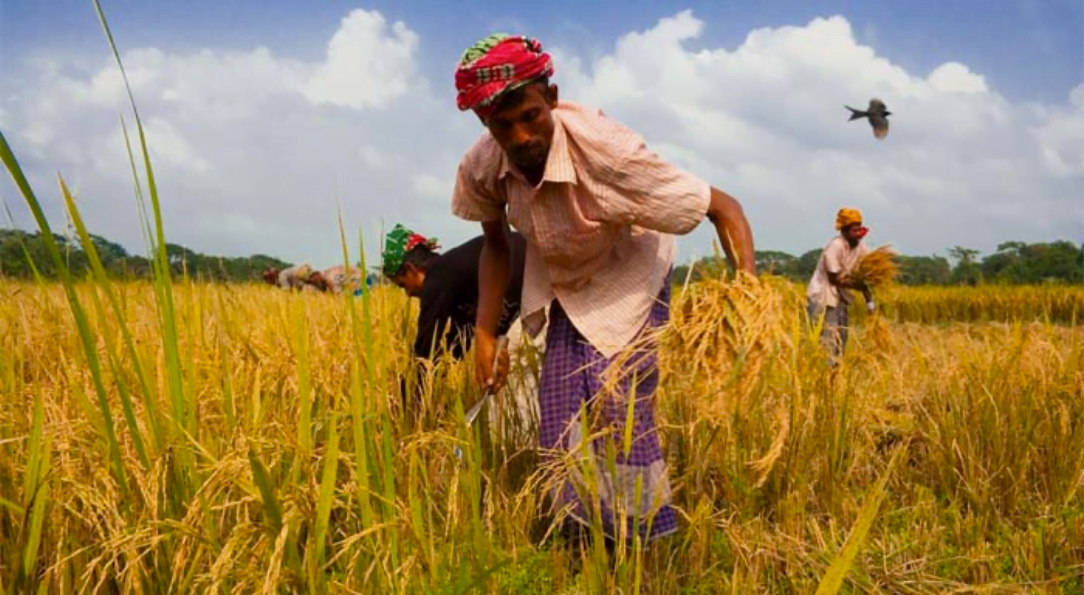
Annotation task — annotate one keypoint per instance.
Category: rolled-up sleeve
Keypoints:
(650, 192)
(472, 199)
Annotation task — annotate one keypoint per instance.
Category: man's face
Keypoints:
(410, 279)
(523, 125)
(853, 234)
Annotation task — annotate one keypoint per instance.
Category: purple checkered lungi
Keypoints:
(573, 375)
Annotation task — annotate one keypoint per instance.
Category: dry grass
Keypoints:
(294, 469)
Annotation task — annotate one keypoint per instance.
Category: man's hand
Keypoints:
(491, 375)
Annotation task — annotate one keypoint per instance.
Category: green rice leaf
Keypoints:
(841, 565)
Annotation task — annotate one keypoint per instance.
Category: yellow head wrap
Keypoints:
(847, 217)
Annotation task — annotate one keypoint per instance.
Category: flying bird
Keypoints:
(877, 114)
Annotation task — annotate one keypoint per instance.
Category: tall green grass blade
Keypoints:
(37, 484)
(361, 453)
(228, 402)
(841, 565)
(13, 507)
(379, 407)
(416, 502)
(323, 505)
(103, 283)
(85, 334)
(304, 389)
(162, 281)
(141, 202)
(186, 472)
(187, 358)
(271, 506)
(37, 514)
(32, 486)
(126, 404)
(33, 460)
(359, 411)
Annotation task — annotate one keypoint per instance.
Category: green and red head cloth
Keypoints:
(496, 65)
(398, 243)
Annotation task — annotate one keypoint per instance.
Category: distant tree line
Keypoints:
(22, 252)
(1014, 263)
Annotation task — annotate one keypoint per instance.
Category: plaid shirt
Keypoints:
(599, 227)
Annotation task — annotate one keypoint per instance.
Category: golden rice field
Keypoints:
(991, 303)
(241, 439)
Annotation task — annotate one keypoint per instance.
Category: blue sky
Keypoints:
(1028, 49)
(989, 98)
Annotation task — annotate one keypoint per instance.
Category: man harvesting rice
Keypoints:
(447, 287)
(597, 209)
(827, 293)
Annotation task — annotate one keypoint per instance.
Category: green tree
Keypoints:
(924, 270)
(1018, 262)
(966, 271)
(807, 264)
(774, 262)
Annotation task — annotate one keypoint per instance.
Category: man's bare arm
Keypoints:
(494, 272)
(726, 213)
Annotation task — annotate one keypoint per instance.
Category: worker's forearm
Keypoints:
(733, 229)
(494, 271)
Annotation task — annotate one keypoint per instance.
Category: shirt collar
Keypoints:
(559, 168)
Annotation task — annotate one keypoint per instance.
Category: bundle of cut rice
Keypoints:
(877, 268)
(723, 333)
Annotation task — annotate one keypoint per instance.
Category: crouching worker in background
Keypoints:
(295, 277)
(447, 287)
(337, 279)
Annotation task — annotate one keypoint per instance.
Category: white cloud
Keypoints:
(953, 77)
(366, 65)
(255, 151)
(429, 186)
(765, 121)
(374, 157)
(169, 147)
(1060, 134)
